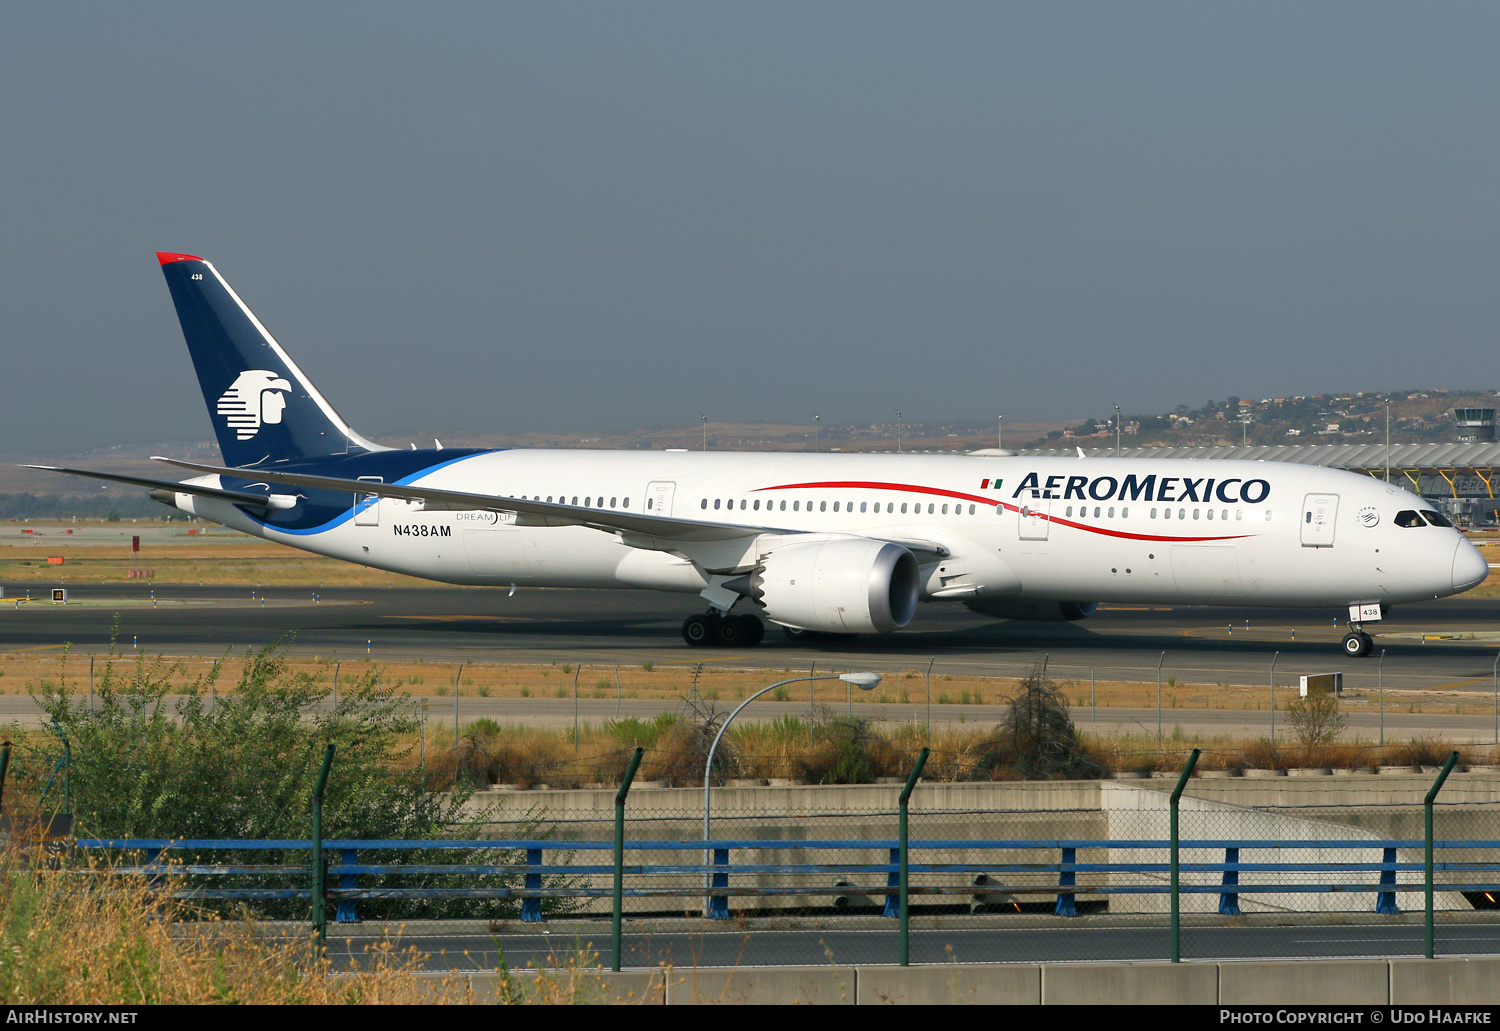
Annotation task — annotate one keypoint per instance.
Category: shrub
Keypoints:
(1037, 739)
(1315, 719)
(66, 943)
(243, 764)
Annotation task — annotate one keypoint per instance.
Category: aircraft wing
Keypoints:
(528, 512)
(238, 497)
(635, 528)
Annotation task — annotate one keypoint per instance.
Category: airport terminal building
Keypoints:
(1460, 477)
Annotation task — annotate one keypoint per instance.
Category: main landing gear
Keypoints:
(1357, 643)
(724, 631)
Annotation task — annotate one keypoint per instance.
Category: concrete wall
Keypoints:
(1344, 790)
(1131, 815)
(1123, 809)
(1294, 982)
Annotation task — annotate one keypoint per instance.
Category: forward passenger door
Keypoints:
(1035, 522)
(1319, 512)
(659, 498)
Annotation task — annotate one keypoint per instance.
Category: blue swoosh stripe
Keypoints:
(348, 513)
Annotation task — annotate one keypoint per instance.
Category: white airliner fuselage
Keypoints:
(1311, 537)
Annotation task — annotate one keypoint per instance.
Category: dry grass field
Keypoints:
(240, 560)
(22, 671)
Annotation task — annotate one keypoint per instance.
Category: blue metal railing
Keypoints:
(533, 891)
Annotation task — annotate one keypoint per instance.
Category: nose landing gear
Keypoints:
(710, 628)
(1357, 643)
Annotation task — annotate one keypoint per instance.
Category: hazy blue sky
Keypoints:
(587, 216)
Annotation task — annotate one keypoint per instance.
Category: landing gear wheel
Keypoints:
(700, 630)
(755, 630)
(1358, 644)
(797, 635)
(731, 632)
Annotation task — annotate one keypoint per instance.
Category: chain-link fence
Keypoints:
(766, 871)
(803, 875)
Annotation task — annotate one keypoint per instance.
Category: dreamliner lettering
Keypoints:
(1202, 489)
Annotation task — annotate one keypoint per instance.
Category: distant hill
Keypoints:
(1417, 416)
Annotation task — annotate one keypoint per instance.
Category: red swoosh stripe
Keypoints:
(992, 502)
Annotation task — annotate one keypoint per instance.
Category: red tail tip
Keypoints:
(167, 257)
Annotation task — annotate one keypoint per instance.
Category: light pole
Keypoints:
(863, 681)
(898, 431)
(1117, 431)
(1387, 440)
(1000, 434)
(1273, 698)
(818, 433)
(704, 419)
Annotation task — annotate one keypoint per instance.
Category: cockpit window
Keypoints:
(1435, 519)
(1408, 518)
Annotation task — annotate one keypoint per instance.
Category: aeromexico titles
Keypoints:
(818, 543)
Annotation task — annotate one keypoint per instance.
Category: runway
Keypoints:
(1193, 644)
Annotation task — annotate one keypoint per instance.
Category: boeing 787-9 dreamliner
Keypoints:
(817, 543)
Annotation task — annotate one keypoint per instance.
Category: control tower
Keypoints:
(1475, 425)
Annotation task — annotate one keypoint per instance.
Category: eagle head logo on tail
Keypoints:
(255, 398)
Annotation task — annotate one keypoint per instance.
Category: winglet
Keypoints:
(167, 257)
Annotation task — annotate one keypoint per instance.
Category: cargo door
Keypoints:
(1204, 569)
(499, 553)
(659, 498)
(367, 506)
(1318, 516)
(1035, 519)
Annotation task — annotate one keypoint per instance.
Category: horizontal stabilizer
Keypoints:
(238, 497)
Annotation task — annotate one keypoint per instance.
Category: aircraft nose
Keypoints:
(1469, 567)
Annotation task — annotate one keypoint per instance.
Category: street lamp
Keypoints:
(898, 431)
(704, 418)
(863, 681)
(1000, 433)
(1117, 431)
(818, 432)
(1387, 440)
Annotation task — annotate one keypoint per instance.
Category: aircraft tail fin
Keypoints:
(262, 406)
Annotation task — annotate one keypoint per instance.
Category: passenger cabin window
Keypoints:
(1408, 518)
(1434, 518)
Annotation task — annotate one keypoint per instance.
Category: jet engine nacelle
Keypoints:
(842, 586)
(1033, 610)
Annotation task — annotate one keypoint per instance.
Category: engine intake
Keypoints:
(845, 585)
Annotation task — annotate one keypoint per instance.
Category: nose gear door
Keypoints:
(1319, 513)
